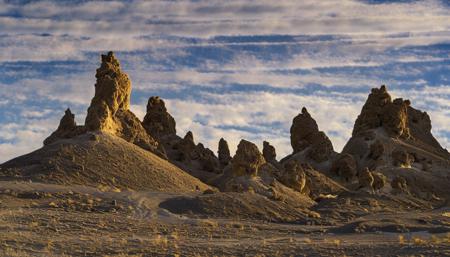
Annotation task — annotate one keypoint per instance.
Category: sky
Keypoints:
(231, 69)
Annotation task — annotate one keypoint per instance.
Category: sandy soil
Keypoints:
(55, 220)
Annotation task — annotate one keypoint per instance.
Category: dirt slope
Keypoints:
(100, 159)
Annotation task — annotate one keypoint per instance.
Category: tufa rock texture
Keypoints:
(67, 128)
(109, 109)
(112, 94)
(399, 184)
(224, 152)
(380, 111)
(269, 152)
(305, 135)
(365, 179)
(345, 167)
(247, 160)
(379, 181)
(402, 158)
(157, 121)
(294, 176)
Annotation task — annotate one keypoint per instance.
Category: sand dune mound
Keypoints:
(243, 206)
(100, 159)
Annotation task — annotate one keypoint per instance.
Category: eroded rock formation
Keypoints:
(67, 128)
(365, 179)
(379, 180)
(345, 167)
(157, 121)
(305, 136)
(401, 158)
(399, 184)
(224, 152)
(247, 160)
(380, 111)
(269, 152)
(109, 109)
(294, 176)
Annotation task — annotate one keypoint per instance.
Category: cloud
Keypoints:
(232, 69)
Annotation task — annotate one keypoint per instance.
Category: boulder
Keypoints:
(247, 160)
(294, 176)
(345, 167)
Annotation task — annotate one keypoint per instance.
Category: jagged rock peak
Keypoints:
(67, 128)
(112, 93)
(247, 160)
(305, 134)
(67, 121)
(157, 121)
(380, 111)
(189, 137)
(224, 152)
(269, 152)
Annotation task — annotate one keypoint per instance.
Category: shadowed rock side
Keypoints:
(269, 152)
(224, 152)
(157, 121)
(194, 158)
(309, 144)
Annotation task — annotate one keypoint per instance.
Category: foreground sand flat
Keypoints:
(54, 220)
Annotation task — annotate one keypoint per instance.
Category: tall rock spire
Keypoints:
(112, 94)
(109, 109)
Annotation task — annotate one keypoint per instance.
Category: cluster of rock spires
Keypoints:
(386, 135)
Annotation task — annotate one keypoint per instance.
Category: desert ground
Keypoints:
(56, 220)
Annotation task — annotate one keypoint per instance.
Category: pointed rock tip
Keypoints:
(304, 110)
(189, 136)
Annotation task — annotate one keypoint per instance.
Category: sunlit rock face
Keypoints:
(109, 109)
(112, 95)
(247, 160)
(380, 111)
